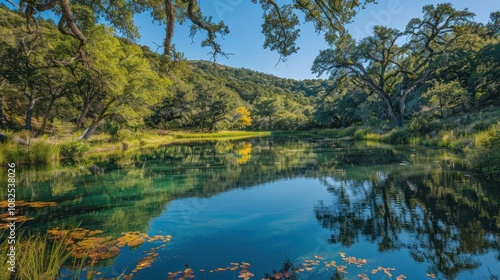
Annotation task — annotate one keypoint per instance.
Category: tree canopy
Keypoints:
(442, 64)
(280, 25)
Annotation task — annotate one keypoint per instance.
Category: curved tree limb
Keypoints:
(68, 20)
(211, 29)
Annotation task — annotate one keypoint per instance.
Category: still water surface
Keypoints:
(269, 201)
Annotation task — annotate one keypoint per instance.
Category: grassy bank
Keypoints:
(36, 258)
(44, 150)
(476, 135)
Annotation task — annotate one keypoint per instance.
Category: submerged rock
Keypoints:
(94, 169)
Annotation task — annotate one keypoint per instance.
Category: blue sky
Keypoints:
(245, 40)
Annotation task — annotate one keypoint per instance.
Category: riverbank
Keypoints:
(22, 148)
(476, 135)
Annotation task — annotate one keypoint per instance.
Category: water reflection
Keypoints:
(423, 202)
(440, 216)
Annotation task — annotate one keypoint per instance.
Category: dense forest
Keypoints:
(120, 85)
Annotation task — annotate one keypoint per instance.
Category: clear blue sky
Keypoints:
(245, 40)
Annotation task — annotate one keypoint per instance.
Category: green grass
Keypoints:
(37, 258)
(40, 152)
(221, 134)
(336, 133)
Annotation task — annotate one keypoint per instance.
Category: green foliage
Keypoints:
(74, 149)
(337, 133)
(390, 70)
(39, 152)
(445, 97)
(394, 136)
(486, 156)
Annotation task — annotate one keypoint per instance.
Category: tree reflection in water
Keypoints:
(448, 225)
(394, 197)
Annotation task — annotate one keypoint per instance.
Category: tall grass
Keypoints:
(39, 152)
(37, 258)
(336, 133)
(40, 259)
(43, 152)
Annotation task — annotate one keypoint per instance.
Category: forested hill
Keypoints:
(271, 101)
(244, 80)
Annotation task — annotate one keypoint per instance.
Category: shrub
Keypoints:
(121, 135)
(486, 157)
(361, 133)
(398, 136)
(74, 149)
(337, 132)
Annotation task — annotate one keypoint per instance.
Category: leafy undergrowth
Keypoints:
(486, 155)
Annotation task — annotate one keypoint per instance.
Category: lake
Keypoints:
(265, 207)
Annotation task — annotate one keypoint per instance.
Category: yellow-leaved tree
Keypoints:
(243, 118)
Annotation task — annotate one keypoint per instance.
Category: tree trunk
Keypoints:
(202, 118)
(29, 113)
(390, 108)
(83, 114)
(45, 117)
(1, 112)
(87, 133)
(402, 108)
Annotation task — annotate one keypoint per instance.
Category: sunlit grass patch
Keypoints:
(220, 134)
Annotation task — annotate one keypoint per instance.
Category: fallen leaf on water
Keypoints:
(18, 218)
(94, 232)
(32, 204)
(363, 276)
(245, 274)
(130, 239)
(174, 274)
(342, 269)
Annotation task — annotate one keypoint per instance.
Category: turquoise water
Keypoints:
(272, 202)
